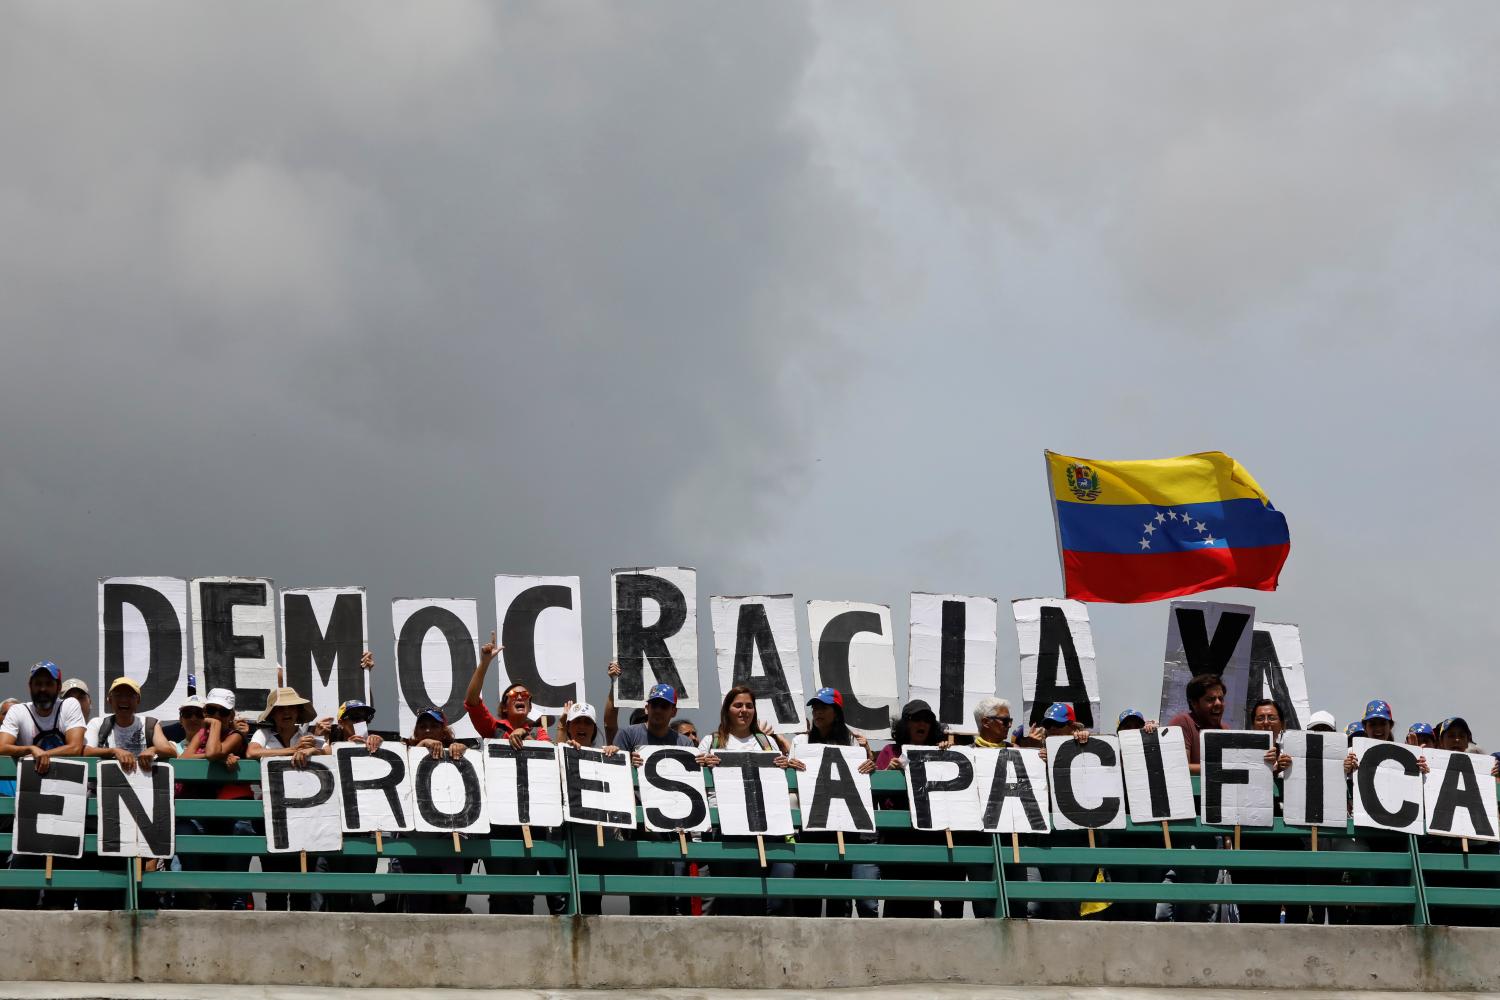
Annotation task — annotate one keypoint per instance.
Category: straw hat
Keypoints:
(289, 696)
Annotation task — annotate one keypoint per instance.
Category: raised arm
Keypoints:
(474, 693)
(611, 713)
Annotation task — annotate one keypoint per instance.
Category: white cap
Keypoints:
(582, 710)
(222, 697)
(1322, 719)
(191, 701)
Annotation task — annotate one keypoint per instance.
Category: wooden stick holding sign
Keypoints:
(1166, 834)
(457, 847)
(682, 841)
(302, 861)
(1315, 838)
(599, 834)
(379, 844)
(526, 835)
(948, 838)
(1236, 836)
(760, 849)
(48, 873)
(1091, 837)
(840, 835)
(1015, 848)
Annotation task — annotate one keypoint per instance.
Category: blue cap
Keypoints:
(1420, 729)
(1450, 722)
(1378, 709)
(662, 692)
(435, 714)
(1354, 729)
(1130, 713)
(828, 696)
(49, 667)
(1057, 712)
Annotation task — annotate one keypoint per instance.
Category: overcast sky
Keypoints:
(407, 296)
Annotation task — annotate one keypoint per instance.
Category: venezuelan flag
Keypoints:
(1159, 528)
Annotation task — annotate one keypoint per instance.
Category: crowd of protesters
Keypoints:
(58, 721)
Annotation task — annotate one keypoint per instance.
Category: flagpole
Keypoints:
(1056, 526)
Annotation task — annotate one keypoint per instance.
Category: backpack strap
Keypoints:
(765, 741)
(106, 726)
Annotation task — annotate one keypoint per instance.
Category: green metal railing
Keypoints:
(1379, 869)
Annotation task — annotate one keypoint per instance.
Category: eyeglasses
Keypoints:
(1004, 720)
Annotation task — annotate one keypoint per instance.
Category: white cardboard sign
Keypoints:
(1158, 784)
(301, 805)
(1057, 658)
(654, 611)
(755, 644)
(437, 647)
(143, 635)
(854, 652)
(525, 785)
(950, 655)
(541, 630)
(1313, 791)
(833, 794)
(674, 795)
(1088, 786)
(753, 795)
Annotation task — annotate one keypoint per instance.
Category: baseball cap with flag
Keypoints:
(48, 667)
(1378, 709)
(1420, 729)
(662, 692)
(827, 696)
(1058, 712)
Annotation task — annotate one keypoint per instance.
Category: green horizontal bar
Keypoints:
(423, 846)
(800, 888)
(1465, 896)
(1179, 892)
(35, 878)
(1460, 862)
(523, 885)
(1215, 858)
(779, 851)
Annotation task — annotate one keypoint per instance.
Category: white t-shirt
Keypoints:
(131, 737)
(733, 742)
(267, 738)
(24, 721)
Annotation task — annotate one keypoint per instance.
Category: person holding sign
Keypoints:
(431, 733)
(918, 725)
(352, 726)
(48, 726)
(1265, 716)
(515, 725)
(1205, 698)
(288, 735)
(826, 725)
(124, 737)
(514, 722)
(992, 717)
(45, 727)
(740, 729)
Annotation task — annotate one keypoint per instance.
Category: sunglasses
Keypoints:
(191, 713)
(1004, 720)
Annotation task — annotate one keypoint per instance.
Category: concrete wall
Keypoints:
(394, 950)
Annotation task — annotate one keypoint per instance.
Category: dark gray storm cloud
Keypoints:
(402, 299)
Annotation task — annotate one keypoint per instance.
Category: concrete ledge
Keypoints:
(478, 951)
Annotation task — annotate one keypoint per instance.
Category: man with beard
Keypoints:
(1205, 698)
(43, 728)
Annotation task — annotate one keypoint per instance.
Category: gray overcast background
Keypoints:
(406, 296)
